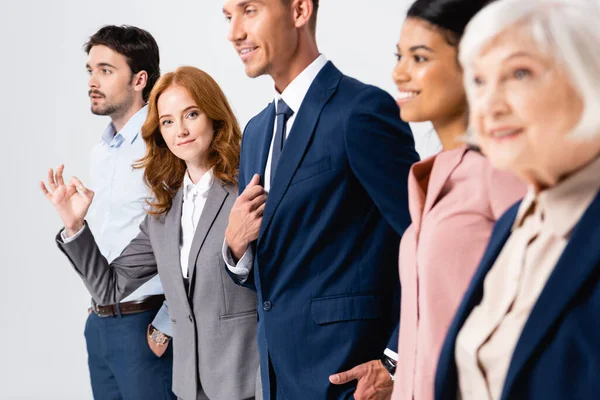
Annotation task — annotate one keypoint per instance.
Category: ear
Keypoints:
(303, 10)
(140, 80)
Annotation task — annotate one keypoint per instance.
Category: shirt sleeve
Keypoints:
(65, 239)
(162, 320)
(241, 269)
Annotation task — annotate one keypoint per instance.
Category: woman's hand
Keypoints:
(71, 201)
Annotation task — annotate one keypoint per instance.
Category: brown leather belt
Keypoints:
(129, 307)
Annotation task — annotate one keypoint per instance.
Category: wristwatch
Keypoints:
(158, 337)
(389, 364)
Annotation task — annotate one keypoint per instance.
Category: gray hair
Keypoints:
(567, 30)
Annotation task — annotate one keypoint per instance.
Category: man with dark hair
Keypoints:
(323, 203)
(128, 353)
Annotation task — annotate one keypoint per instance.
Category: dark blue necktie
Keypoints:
(283, 114)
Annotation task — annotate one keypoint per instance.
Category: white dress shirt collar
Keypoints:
(201, 188)
(130, 130)
(294, 93)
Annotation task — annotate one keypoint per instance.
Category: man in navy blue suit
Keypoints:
(323, 203)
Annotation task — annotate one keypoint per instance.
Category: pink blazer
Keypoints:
(455, 198)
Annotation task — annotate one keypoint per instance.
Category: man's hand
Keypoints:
(71, 201)
(159, 344)
(245, 218)
(374, 382)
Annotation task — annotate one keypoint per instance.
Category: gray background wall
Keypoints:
(45, 120)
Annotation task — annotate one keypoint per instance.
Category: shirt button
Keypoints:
(267, 305)
(190, 318)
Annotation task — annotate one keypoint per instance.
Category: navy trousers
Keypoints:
(122, 366)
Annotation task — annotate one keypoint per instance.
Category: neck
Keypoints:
(545, 178)
(196, 170)
(120, 118)
(450, 131)
(306, 53)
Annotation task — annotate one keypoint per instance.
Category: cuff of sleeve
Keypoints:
(162, 321)
(65, 239)
(391, 354)
(242, 269)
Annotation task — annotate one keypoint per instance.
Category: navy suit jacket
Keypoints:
(558, 353)
(326, 259)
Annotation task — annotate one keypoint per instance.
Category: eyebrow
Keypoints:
(186, 109)
(415, 48)
(242, 4)
(102, 64)
(421, 47)
(522, 54)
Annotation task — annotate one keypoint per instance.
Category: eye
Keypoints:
(249, 10)
(166, 122)
(193, 114)
(106, 71)
(228, 18)
(89, 71)
(521, 73)
(419, 59)
(398, 56)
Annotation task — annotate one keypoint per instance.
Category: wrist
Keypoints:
(73, 228)
(237, 249)
(389, 364)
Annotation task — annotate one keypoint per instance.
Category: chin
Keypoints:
(408, 116)
(254, 71)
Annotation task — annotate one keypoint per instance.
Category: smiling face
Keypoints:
(523, 109)
(263, 34)
(427, 75)
(111, 81)
(186, 130)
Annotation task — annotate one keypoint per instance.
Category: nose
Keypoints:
(400, 74)
(236, 32)
(93, 82)
(182, 130)
(491, 101)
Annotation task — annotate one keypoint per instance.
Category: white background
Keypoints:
(45, 120)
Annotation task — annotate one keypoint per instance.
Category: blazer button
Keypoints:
(267, 305)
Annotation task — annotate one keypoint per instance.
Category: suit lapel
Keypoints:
(579, 260)
(448, 161)
(447, 380)
(172, 244)
(299, 137)
(214, 202)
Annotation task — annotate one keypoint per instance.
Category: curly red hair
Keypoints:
(164, 172)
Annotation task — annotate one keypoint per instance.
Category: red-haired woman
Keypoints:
(191, 165)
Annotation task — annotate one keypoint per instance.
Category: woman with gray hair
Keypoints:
(528, 326)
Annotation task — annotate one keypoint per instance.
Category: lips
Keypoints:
(246, 52)
(406, 96)
(95, 95)
(185, 142)
(504, 132)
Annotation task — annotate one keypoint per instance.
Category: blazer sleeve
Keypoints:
(381, 150)
(110, 283)
(249, 281)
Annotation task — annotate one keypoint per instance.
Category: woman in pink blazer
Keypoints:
(455, 197)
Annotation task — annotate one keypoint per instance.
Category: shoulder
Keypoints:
(258, 118)
(362, 94)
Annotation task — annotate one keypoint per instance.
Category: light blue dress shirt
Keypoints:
(119, 204)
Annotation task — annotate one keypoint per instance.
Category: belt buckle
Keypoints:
(99, 313)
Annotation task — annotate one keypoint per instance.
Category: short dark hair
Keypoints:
(136, 45)
(449, 16)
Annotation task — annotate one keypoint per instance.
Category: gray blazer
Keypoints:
(214, 323)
